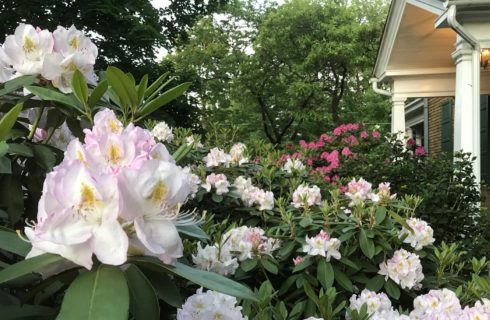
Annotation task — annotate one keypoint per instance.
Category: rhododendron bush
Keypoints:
(115, 220)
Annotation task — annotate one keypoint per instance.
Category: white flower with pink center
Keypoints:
(421, 236)
(251, 195)
(358, 191)
(162, 132)
(404, 268)
(237, 153)
(322, 245)
(210, 305)
(305, 196)
(247, 242)
(218, 181)
(437, 304)
(217, 157)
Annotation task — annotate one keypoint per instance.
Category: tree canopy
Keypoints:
(300, 67)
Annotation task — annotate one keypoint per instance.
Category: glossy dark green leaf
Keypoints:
(79, 87)
(154, 86)
(325, 274)
(163, 99)
(165, 287)
(97, 294)
(193, 231)
(45, 157)
(26, 312)
(392, 289)
(17, 84)
(122, 86)
(8, 120)
(142, 88)
(143, 303)
(11, 242)
(56, 96)
(97, 94)
(20, 149)
(375, 283)
(28, 266)
(248, 265)
(342, 279)
(366, 244)
(5, 165)
(206, 279)
(269, 266)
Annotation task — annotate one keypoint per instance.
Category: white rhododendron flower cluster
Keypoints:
(218, 181)
(293, 165)
(422, 234)
(237, 244)
(237, 153)
(251, 195)
(384, 193)
(358, 191)
(444, 304)
(117, 190)
(218, 157)
(55, 56)
(162, 132)
(305, 196)
(404, 268)
(378, 305)
(210, 305)
(190, 140)
(193, 180)
(323, 245)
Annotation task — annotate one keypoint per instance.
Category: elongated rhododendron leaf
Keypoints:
(28, 266)
(98, 294)
(8, 120)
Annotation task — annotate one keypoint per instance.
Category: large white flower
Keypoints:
(68, 41)
(77, 217)
(151, 196)
(27, 48)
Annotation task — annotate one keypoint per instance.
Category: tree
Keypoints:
(127, 32)
(300, 67)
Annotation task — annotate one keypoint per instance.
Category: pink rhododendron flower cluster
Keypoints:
(422, 234)
(218, 181)
(210, 305)
(251, 195)
(55, 56)
(323, 245)
(116, 191)
(305, 196)
(237, 244)
(404, 268)
(420, 151)
(343, 128)
(378, 305)
(217, 157)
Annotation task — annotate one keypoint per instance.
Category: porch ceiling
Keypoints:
(419, 45)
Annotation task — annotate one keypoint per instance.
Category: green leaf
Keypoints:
(297, 310)
(193, 231)
(400, 220)
(97, 294)
(79, 87)
(156, 84)
(53, 95)
(17, 83)
(165, 287)
(122, 86)
(392, 289)
(218, 198)
(20, 149)
(142, 89)
(181, 152)
(5, 165)
(97, 94)
(325, 274)
(12, 193)
(45, 157)
(4, 148)
(8, 120)
(303, 265)
(380, 215)
(28, 266)
(375, 283)
(367, 245)
(206, 279)
(26, 312)
(11, 242)
(269, 266)
(342, 279)
(143, 303)
(248, 265)
(163, 99)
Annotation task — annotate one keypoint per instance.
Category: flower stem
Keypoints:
(35, 124)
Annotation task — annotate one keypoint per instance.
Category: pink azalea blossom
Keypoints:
(364, 135)
(376, 134)
(298, 260)
(420, 151)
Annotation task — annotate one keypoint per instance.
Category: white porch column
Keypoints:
(398, 116)
(467, 102)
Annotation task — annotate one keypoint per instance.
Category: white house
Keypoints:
(439, 50)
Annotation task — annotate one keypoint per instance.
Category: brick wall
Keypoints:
(435, 125)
